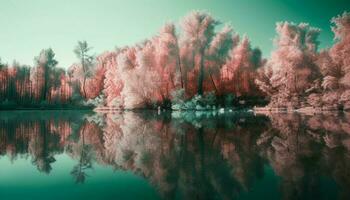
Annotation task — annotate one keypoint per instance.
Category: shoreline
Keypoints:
(44, 109)
(304, 110)
(255, 110)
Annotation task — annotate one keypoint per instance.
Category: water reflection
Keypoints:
(192, 155)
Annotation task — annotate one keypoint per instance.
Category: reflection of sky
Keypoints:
(29, 26)
(21, 180)
(260, 189)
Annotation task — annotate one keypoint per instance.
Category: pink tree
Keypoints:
(94, 84)
(340, 54)
(65, 88)
(132, 93)
(37, 81)
(294, 64)
(198, 32)
(331, 73)
(239, 71)
(113, 84)
(216, 56)
(77, 78)
(168, 62)
(153, 88)
(89, 80)
(262, 81)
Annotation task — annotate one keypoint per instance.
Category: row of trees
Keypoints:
(212, 67)
(173, 68)
(44, 83)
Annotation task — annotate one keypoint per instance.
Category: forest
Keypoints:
(195, 68)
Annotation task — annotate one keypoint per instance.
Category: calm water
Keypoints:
(146, 155)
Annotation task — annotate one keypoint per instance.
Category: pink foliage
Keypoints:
(238, 72)
(340, 52)
(94, 84)
(293, 63)
(112, 83)
(37, 81)
(168, 59)
(197, 60)
(198, 32)
(90, 80)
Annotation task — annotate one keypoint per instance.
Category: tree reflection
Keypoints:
(84, 153)
(302, 149)
(192, 155)
(85, 163)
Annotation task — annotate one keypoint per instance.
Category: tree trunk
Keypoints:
(201, 75)
(181, 79)
(84, 71)
(212, 80)
(46, 74)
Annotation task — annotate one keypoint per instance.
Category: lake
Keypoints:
(179, 155)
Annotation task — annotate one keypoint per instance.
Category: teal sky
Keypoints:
(26, 26)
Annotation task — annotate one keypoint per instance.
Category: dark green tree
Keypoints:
(46, 60)
(82, 52)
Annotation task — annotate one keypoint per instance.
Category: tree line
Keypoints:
(198, 67)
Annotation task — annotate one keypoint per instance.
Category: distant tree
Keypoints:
(45, 63)
(198, 32)
(82, 52)
(65, 88)
(57, 84)
(3, 80)
(23, 84)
